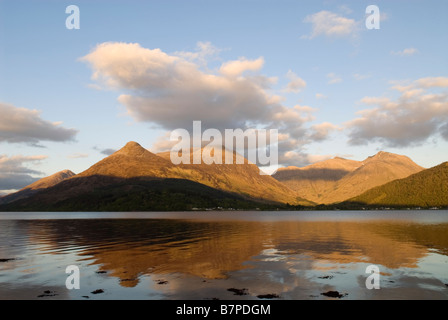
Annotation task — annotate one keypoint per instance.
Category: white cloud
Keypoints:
(172, 92)
(20, 125)
(331, 25)
(163, 143)
(376, 101)
(296, 84)
(410, 120)
(360, 77)
(320, 96)
(13, 172)
(295, 158)
(302, 159)
(345, 9)
(238, 67)
(313, 158)
(204, 51)
(77, 155)
(405, 52)
(333, 78)
(432, 82)
(322, 131)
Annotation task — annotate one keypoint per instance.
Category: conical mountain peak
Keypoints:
(132, 148)
(132, 144)
(130, 161)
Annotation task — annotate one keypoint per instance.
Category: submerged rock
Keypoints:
(47, 293)
(162, 281)
(326, 277)
(334, 294)
(239, 292)
(97, 291)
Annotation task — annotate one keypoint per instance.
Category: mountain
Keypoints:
(313, 182)
(132, 194)
(38, 185)
(242, 178)
(338, 179)
(427, 188)
(129, 162)
(134, 178)
(374, 171)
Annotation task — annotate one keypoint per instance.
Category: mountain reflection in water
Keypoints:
(201, 259)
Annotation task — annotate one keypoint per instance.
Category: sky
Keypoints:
(137, 70)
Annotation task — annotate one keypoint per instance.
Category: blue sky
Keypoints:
(309, 68)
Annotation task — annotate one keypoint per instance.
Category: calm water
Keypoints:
(294, 255)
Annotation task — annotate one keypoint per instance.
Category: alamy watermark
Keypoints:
(73, 20)
(261, 146)
(373, 18)
(373, 280)
(73, 280)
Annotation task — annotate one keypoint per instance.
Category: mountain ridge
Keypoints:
(134, 165)
(134, 178)
(427, 188)
(338, 179)
(34, 187)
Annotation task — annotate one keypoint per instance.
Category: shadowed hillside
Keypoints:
(37, 186)
(103, 193)
(315, 181)
(133, 178)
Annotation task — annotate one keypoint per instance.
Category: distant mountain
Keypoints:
(338, 179)
(133, 178)
(427, 188)
(315, 181)
(374, 171)
(38, 185)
